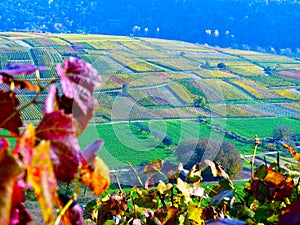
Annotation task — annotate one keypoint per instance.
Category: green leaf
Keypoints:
(261, 171)
(148, 199)
(109, 222)
(223, 196)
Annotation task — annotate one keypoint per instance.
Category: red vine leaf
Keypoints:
(81, 119)
(73, 215)
(10, 168)
(13, 69)
(4, 144)
(51, 103)
(10, 118)
(21, 68)
(65, 161)
(88, 155)
(42, 178)
(19, 215)
(58, 127)
(96, 176)
(79, 80)
(290, 214)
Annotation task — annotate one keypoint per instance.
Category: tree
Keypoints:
(283, 132)
(193, 151)
(167, 141)
(221, 66)
(125, 89)
(200, 102)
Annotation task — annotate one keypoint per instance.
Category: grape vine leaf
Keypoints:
(51, 103)
(25, 144)
(73, 215)
(10, 169)
(94, 172)
(21, 68)
(95, 176)
(10, 118)
(57, 127)
(295, 154)
(19, 215)
(79, 80)
(4, 144)
(13, 69)
(69, 106)
(42, 178)
(81, 119)
(194, 212)
(18, 212)
(88, 155)
(153, 167)
(290, 214)
(167, 215)
(216, 169)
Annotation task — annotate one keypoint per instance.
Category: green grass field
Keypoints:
(122, 142)
(263, 127)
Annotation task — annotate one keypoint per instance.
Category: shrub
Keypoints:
(191, 152)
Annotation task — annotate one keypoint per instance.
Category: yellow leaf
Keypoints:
(41, 176)
(162, 187)
(195, 214)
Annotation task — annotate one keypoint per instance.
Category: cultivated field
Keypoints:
(167, 85)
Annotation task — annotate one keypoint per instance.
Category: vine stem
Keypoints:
(136, 174)
(28, 103)
(257, 142)
(63, 211)
(119, 184)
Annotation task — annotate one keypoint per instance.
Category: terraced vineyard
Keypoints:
(146, 79)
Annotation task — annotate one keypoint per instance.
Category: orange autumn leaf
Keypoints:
(153, 167)
(292, 151)
(25, 144)
(95, 175)
(42, 178)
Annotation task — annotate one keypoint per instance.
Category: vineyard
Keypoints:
(155, 97)
(145, 79)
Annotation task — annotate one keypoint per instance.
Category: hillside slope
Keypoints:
(152, 78)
